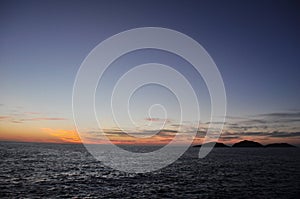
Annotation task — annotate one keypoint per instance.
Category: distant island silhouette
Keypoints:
(280, 145)
(217, 144)
(247, 143)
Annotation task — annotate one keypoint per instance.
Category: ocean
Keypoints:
(35, 170)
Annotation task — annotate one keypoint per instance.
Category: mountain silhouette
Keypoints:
(247, 143)
(217, 145)
(281, 145)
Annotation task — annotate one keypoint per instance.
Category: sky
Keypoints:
(255, 44)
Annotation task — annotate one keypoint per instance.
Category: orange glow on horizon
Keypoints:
(65, 136)
(52, 135)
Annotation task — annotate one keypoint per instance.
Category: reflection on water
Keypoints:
(61, 170)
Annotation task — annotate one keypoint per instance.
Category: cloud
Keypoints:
(248, 133)
(253, 134)
(163, 136)
(234, 117)
(155, 119)
(281, 114)
(18, 115)
(273, 134)
(17, 119)
(117, 136)
(261, 126)
(167, 133)
(229, 138)
(5, 117)
(69, 136)
(256, 121)
(201, 133)
(284, 134)
(32, 113)
(280, 117)
(267, 122)
(44, 118)
(161, 133)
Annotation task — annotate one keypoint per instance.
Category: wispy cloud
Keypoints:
(278, 134)
(27, 117)
(289, 114)
(284, 134)
(63, 135)
(259, 127)
(33, 113)
(280, 121)
(285, 125)
(43, 119)
(155, 119)
(119, 137)
(5, 117)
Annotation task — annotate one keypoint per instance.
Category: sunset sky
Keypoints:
(255, 44)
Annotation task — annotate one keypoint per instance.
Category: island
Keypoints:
(217, 145)
(247, 143)
(281, 145)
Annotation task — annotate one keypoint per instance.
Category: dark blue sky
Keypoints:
(255, 44)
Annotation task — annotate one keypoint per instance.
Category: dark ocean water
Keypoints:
(30, 170)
